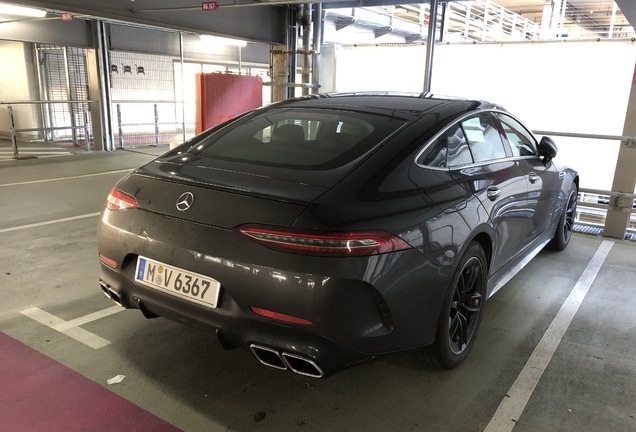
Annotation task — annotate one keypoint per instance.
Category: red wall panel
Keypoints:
(223, 96)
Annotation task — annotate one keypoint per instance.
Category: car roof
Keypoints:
(412, 103)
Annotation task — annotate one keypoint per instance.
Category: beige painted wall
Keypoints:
(17, 83)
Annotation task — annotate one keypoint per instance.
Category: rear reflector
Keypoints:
(117, 200)
(108, 261)
(321, 243)
(280, 317)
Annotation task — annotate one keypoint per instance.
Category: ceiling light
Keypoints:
(222, 40)
(8, 9)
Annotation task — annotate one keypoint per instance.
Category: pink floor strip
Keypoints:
(39, 394)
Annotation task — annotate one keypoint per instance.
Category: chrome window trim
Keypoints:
(474, 164)
(536, 141)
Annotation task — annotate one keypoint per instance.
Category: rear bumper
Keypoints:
(291, 347)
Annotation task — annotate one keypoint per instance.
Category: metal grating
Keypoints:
(64, 77)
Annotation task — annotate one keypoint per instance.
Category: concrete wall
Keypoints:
(17, 83)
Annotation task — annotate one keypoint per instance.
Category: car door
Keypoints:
(542, 179)
(500, 185)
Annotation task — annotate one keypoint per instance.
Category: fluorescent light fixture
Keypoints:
(222, 40)
(9, 9)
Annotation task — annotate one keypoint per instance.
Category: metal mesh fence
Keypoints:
(153, 81)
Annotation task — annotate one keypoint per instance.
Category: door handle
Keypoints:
(533, 177)
(493, 192)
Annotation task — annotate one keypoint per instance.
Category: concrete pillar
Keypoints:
(618, 213)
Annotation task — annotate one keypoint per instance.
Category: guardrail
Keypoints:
(153, 122)
(594, 203)
(44, 130)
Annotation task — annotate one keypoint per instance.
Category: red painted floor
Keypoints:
(38, 394)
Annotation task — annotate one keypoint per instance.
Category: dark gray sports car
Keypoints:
(322, 231)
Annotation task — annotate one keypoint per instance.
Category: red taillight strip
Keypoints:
(108, 261)
(117, 200)
(324, 243)
(279, 316)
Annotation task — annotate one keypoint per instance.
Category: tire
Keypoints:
(564, 228)
(461, 312)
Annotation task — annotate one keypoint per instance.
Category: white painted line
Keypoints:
(66, 178)
(71, 328)
(512, 406)
(95, 316)
(54, 221)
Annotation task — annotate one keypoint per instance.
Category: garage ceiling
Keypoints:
(264, 21)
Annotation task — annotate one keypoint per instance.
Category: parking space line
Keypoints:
(512, 406)
(54, 221)
(71, 328)
(66, 178)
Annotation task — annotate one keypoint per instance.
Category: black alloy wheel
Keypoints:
(461, 312)
(466, 306)
(565, 227)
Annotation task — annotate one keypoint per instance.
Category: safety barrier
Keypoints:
(593, 204)
(150, 122)
(49, 129)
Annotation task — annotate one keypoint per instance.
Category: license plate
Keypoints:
(178, 282)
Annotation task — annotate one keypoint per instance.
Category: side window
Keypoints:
(449, 149)
(483, 138)
(521, 141)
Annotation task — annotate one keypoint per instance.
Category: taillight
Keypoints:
(117, 200)
(279, 316)
(324, 243)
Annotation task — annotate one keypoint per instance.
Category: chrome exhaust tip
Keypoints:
(268, 356)
(302, 365)
(286, 360)
(110, 293)
(104, 288)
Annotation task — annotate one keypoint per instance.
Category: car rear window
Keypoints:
(297, 138)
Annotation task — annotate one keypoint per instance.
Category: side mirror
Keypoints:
(547, 149)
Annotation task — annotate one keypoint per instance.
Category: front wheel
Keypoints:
(461, 312)
(565, 226)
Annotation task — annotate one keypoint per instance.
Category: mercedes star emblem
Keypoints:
(185, 201)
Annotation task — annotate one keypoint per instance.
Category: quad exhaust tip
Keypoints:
(109, 293)
(285, 360)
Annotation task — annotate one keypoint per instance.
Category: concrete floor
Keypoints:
(187, 379)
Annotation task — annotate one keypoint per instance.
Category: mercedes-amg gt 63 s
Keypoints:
(322, 231)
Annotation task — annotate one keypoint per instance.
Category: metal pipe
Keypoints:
(183, 110)
(591, 136)
(14, 140)
(442, 27)
(430, 46)
(318, 27)
(232, 5)
(156, 125)
(87, 135)
(291, 44)
(121, 133)
(306, 25)
(44, 102)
